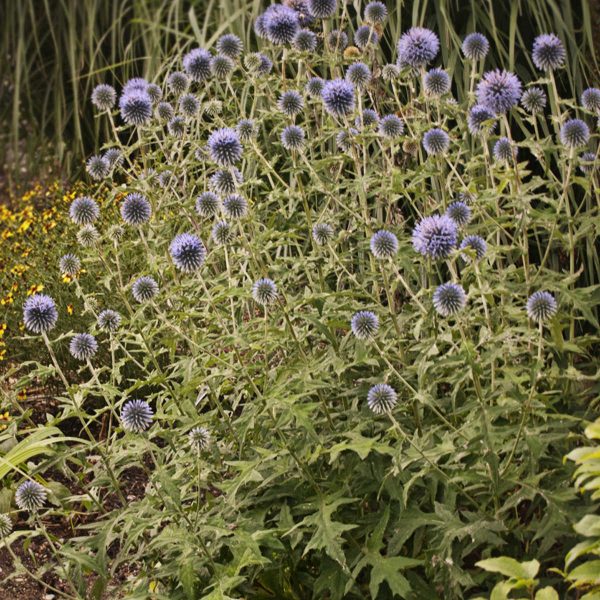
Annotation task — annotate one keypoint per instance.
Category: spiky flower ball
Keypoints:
(590, 99)
(375, 12)
(115, 233)
(109, 320)
(574, 133)
(39, 313)
(165, 111)
(449, 298)
(548, 52)
(364, 324)
(83, 346)
(196, 64)
(383, 244)
(435, 236)
(178, 82)
(541, 306)
(359, 74)
(290, 103)
(144, 288)
(104, 97)
(305, 41)
(70, 265)
(314, 86)
(365, 36)
(281, 24)
(188, 252)
(246, 129)
(337, 40)
(230, 45)
(322, 9)
(338, 97)
(176, 127)
(264, 291)
(258, 64)
(167, 179)
(136, 416)
(114, 157)
(475, 243)
(459, 212)
(344, 139)
(417, 47)
(136, 108)
(199, 438)
(499, 90)
(207, 204)
(225, 147)
(189, 105)
(136, 209)
(481, 120)
(436, 141)
(154, 92)
(222, 233)
(292, 137)
(588, 160)
(368, 118)
(221, 66)
(504, 150)
(534, 100)
(31, 496)
(88, 236)
(437, 82)
(225, 181)
(475, 46)
(322, 233)
(235, 206)
(84, 211)
(382, 398)
(391, 126)
(5, 525)
(135, 84)
(390, 72)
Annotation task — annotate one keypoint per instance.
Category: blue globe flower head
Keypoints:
(359, 74)
(499, 90)
(87, 236)
(588, 161)
(39, 313)
(449, 298)
(534, 99)
(504, 150)
(31, 496)
(459, 212)
(322, 9)
(364, 325)
(435, 237)
(368, 118)
(305, 41)
(590, 99)
(345, 139)
(365, 37)
(322, 233)
(199, 438)
(473, 243)
(437, 82)
(222, 233)
(382, 398)
(178, 82)
(70, 265)
(481, 120)
(574, 133)
(221, 66)
(390, 72)
(136, 108)
(235, 206)
(167, 179)
(302, 9)
(135, 84)
(104, 97)
(292, 138)
(176, 127)
(391, 126)
(225, 181)
(154, 92)
(189, 105)
(84, 211)
(290, 103)
(314, 87)
(114, 157)
(188, 252)
(230, 45)
(246, 129)
(417, 47)
(541, 306)
(207, 204)
(548, 52)
(264, 291)
(375, 12)
(436, 141)
(281, 24)
(136, 416)
(83, 346)
(97, 167)
(6, 526)
(338, 97)
(196, 64)
(337, 41)
(260, 26)
(109, 320)
(475, 46)
(265, 66)
(165, 111)
(224, 147)
(136, 209)
(383, 244)
(144, 289)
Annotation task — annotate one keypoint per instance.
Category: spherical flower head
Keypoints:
(188, 252)
(499, 90)
(225, 181)
(322, 9)
(368, 118)
(260, 26)
(364, 324)
(548, 52)
(109, 320)
(178, 82)
(281, 24)
(382, 398)
(114, 157)
(246, 129)
(167, 179)
(344, 139)
(337, 40)
(136, 209)
(88, 236)
(322, 233)
(264, 291)
(207, 204)
(196, 64)
(230, 45)
(258, 64)
(459, 212)
(31, 496)
(69, 265)
(176, 127)
(221, 66)
(504, 150)
(384, 244)
(588, 160)
(574, 133)
(199, 438)
(475, 46)
(435, 236)
(481, 120)
(292, 138)
(436, 141)
(104, 97)
(144, 289)
(474, 243)
(235, 206)
(221, 233)
(391, 126)
(290, 103)
(165, 111)
(358, 74)
(365, 36)
(541, 306)
(590, 99)
(225, 147)
(83, 346)
(84, 211)
(115, 233)
(154, 92)
(189, 105)
(39, 313)
(301, 8)
(135, 84)
(338, 97)
(136, 108)
(390, 72)
(418, 46)
(5, 525)
(375, 12)
(534, 99)
(305, 41)
(136, 416)
(437, 82)
(449, 298)
(314, 87)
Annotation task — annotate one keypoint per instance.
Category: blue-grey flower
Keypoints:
(104, 97)
(70, 265)
(221, 66)
(499, 90)
(196, 64)
(109, 320)
(167, 179)
(260, 26)
(136, 416)
(144, 288)
(222, 233)
(459, 212)
(39, 313)
(574, 133)
(365, 36)
(225, 147)
(87, 236)
(436, 141)
(590, 99)
(235, 206)
(449, 298)
(135, 84)
(136, 108)
(230, 45)
(475, 243)
(189, 105)
(178, 82)
(176, 127)
(305, 41)
(83, 346)
(292, 137)
(322, 9)
(437, 82)
(337, 40)
(281, 24)
(541, 306)
(435, 236)
(364, 324)
(345, 139)
(246, 129)
(418, 46)
(314, 87)
(322, 233)
(382, 398)
(475, 46)
(188, 252)
(375, 12)
(390, 72)
(6, 525)
(383, 244)
(391, 126)
(114, 157)
(264, 291)
(165, 111)
(199, 438)
(302, 10)
(359, 74)
(481, 120)
(338, 97)
(548, 52)
(504, 150)
(290, 103)
(534, 99)
(368, 118)
(136, 209)
(225, 181)
(587, 162)
(154, 92)
(207, 204)
(31, 496)
(84, 210)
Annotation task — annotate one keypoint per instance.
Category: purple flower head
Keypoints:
(207, 204)
(136, 107)
(368, 118)
(475, 46)
(574, 133)
(84, 211)
(322, 9)
(30, 495)
(225, 147)
(391, 126)
(188, 252)
(264, 291)
(305, 41)
(382, 398)
(504, 150)
(135, 84)
(590, 99)
(449, 298)
(83, 346)
(39, 313)
(281, 24)
(436, 141)
(136, 209)
(290, 103)
(534, 99)
(144, 288)
(136, 416)
(499, 90)
(435, 236)
(196, 64)
(375, 12)
(104, 97)
(548, 52)
(230, 45)
(384, 244)
(365, 36)
(292, 137)
(364, 324)
(417, 47)
(337, 40)
(221, 66)
(437, 82)
(358, 74)
(541, 306)
(338, 97)
(476, 244)
(459, 212)
(481, 120)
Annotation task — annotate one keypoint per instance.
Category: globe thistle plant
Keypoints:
(135, 84)
(235, 206)
(290, 103)
(435, 237)
(207, 204)
(84, 211)
(590, 99)
(391, 126)
(541, 306)
(199, 438)
(473, 243)
(178, 82)
(417, 47)
(221, 66)
(189, 105)
(264, 291)
(136, 416)
(504, 150)
(305, 41)
(165, 111)
(136, 108)
(365, 36)
(322, 9)
(292, 138)
(109, 320)
(383, 244)
(246, 129)
(166, 179)
(30, 496)
(281, 24)
(176, 127)
(459, 212)
(436, 141)
(481, 120)
(188, 252)
(225, 147)
(136, 209)
(104, 97)
(574, 133)
(437, 82)
(337, 41)
(70, 265)
(534, 99)
(382, 398)
(230, 45)
(338, 97)
(367, 118)
(375, 12)
(314, 87)
(225, 181)
(196, 64)
(359, 74)
(475, 46)
(222, 233)
(39, 313)
(587, 164)
(499, 90)
(83, 346)
(390, 72)
(548, 52)
(114, 157)
(154, 92)
(88, 236)
(448, 299)
(6, 526)
(322, 233)
(144, 289)
(364, 325)
(344, 139)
